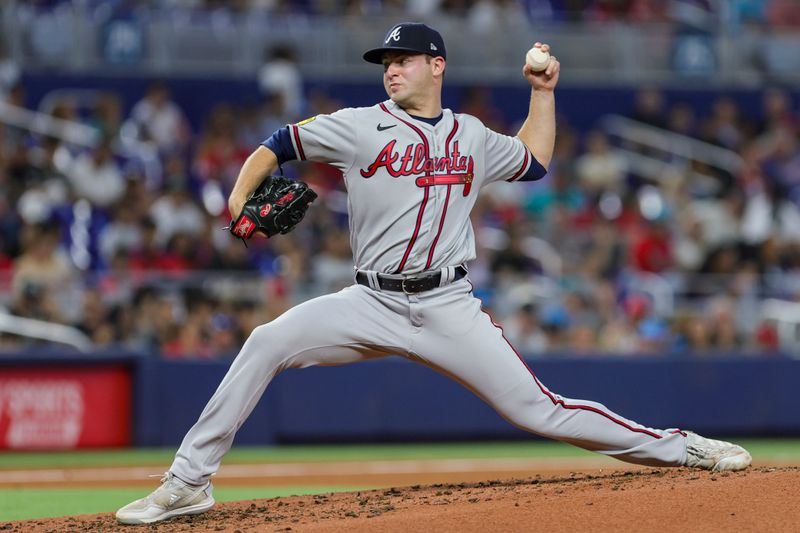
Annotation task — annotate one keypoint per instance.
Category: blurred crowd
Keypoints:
(123, 239)
(699, 13)
(684, 255)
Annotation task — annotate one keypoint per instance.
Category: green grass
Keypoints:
(23, 504)
(761, 448)
(20, 504)
(772, 449)
(295, 454)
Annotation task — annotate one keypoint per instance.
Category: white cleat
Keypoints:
(173, 498)
(715, 455)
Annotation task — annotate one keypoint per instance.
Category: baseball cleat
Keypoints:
(715, 455)
(173, 498)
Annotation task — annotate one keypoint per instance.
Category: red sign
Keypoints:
(65, 407)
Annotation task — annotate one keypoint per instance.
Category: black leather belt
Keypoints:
(411, 284)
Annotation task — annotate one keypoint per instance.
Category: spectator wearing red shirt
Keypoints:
(652, 252)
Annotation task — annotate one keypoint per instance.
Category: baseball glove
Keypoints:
(276, 206)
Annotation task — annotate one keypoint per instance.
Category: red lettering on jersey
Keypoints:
(459, 162)
(419, 159)
(406, 167)
(385, 158)
(413, 162)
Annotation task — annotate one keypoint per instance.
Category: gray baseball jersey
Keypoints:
(411, 186)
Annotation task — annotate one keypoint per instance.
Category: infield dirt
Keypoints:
(664, 500)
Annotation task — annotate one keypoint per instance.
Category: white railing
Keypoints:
(45, 331)
(636, 141)
(44, 124)
(78, 134)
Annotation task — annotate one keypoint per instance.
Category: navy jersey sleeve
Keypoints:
(281, 144)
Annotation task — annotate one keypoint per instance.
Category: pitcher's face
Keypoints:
(408, 77)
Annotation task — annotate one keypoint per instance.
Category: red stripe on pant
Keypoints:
(562, 403)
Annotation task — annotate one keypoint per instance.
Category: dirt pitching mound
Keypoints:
(663, 500)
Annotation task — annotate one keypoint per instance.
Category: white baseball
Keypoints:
(537, 58)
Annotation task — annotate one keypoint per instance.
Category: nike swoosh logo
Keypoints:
(382, 128)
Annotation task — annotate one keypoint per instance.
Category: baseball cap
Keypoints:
(409, 37)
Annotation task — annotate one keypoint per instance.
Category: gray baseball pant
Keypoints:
(444, 329)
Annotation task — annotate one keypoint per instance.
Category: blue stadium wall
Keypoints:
(582, 106)
(397, 400)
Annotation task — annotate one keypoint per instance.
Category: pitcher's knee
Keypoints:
(268, 342)
(261, 334)
(275, 343)
(531, 412)
(270, 335)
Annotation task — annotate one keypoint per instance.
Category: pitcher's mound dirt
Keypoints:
(663, 500)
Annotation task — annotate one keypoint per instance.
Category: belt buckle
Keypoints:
(403, 285)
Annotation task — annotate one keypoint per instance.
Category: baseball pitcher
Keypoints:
(413, 171)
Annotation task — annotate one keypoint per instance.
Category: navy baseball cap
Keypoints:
(409, 37)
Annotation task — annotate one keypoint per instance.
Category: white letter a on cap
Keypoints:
(395, 35)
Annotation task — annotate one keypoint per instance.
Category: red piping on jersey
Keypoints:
(441, 225)
(524, 166)
(562, 403)
(447, 198)
(424, 199)
(468, 182)
(296, 131)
